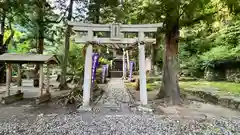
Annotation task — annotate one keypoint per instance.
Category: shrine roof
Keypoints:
(28, 58)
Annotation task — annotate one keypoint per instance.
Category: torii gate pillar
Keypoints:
(142, 69)
(87, 76)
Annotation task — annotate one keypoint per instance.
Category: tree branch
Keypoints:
(184, 23)
(184, 8)
(59, 20)
(10, 36)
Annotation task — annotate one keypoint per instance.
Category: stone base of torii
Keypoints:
(115, 41)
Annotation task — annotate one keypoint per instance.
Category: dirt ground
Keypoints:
(190, 109)
(27, 109)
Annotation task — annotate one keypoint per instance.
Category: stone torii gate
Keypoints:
(85, 35)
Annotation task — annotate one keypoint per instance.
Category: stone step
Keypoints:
(111, 105)
(117, 74)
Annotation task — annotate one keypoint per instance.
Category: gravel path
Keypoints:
(119, 125)
(114, 117)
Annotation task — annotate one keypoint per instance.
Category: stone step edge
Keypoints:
(216, 99)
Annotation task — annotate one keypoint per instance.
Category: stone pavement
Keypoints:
(116, 99)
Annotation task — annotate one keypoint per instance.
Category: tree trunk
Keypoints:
(170, 86)
(155, 49)
(40, 46)
(2, 28)
(97, 14)
(152, 60)
(63, 84)
(2, 50)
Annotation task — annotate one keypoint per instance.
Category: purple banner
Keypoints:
(95, 58)
(131, 69)
(104, 69)
(107, 70)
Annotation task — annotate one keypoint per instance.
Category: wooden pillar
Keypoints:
(53, 71)
(111, 64)
(114, 53)
(128, 61)
(87, 76)
(41, 78)
(48, 79)
(19, 77)
(124, 65)
(8, 78)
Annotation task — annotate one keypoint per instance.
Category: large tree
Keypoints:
(38, 20)
(176, 14)
(70, 14)
(98, 10)
(63, 84)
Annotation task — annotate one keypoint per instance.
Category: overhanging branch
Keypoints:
(59, 20)
(185, 7)
(185, 23)
(10, 36)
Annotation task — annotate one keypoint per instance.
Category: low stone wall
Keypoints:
(214, 75)
(116, 74)
(216, 97)
(159, 78)
(13, 98)
(233, 75)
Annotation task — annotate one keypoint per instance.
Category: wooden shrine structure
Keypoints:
(19, 59)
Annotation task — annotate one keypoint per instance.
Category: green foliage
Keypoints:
(224, 87)
(75, 59)
(95, 7)
(204, 44)
(103, 61)
(39, 22)
(227, 44)
(16, 45)
(216, 53)
(153, 86)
